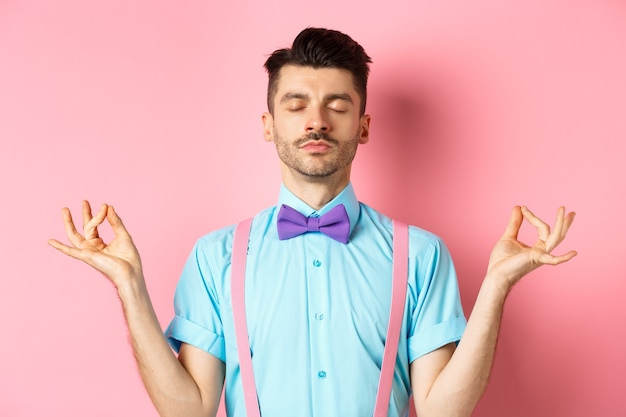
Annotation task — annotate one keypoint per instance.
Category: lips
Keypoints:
(316, 146)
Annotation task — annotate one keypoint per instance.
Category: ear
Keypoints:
(268, 126)
(364, 136)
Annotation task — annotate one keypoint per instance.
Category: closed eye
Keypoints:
(339, 103)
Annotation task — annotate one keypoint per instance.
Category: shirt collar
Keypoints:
(347, 197)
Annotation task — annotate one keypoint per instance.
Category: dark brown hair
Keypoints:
(320, 48)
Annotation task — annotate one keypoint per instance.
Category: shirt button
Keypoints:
(321, 375)
(317, 263)
(319, 316)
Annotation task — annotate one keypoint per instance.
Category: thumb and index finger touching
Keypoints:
(90, 227)
(549, 238)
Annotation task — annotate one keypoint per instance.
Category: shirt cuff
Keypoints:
(182, 330)
(427, 340)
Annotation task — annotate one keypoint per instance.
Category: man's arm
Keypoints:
(189, 385)
(449, 381)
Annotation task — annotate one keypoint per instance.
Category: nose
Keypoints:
(317, 120)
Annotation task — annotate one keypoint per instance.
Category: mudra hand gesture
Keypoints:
(119, 259)
(511, 259)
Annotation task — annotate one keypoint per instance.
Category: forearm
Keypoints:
(460, 377)
(461, 383)
(189, 385)
(171, 388)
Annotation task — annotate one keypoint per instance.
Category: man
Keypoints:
(317, 306)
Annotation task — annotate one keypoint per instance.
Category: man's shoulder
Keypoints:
(224, 235)
(417, 234)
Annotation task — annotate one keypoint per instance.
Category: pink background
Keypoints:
(155, 107)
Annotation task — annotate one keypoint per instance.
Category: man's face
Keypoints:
(316, 125)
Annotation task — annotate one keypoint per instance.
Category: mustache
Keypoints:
(315, 136)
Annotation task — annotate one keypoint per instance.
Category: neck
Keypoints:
(316, 192)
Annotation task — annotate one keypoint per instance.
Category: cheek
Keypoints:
(354, 130)
(289, 128)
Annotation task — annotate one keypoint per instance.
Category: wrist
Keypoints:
(496, 284)
(132, 286)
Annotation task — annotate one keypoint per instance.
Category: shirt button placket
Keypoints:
(318, 313)
(318, 316)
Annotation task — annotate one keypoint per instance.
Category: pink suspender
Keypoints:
(398, 296)
(237, 278)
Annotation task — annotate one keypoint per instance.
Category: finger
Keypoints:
(547, 259)
(567, 222)
(116, 222)
(76, 253)
(67, 250)
(543, 230)
(86, 207)
(562, 225)
(91, 228)
(515, 222)
(556, 236)
(569, 219)
(70, 229)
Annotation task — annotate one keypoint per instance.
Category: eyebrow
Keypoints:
(303, 96)
(342, 96)
(294, 96)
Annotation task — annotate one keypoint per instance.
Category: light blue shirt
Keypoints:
(317, 311)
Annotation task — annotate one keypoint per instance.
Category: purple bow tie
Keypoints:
(334, 224)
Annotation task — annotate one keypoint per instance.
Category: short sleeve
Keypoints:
(436, 312)
(197, 320)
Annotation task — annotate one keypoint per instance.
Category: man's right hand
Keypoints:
(118, 260)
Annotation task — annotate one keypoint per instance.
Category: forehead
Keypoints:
(315, 81)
